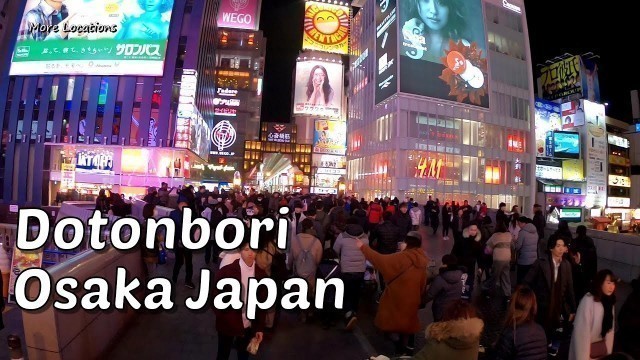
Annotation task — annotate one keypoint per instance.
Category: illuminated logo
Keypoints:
(226, 102)
(429, 168)
(223, 135)
(226, 92)
(238, 5)
(326, 27)
(279, 127)
(224, 111)
(507, 5)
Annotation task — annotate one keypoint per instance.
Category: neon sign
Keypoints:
(429, 168)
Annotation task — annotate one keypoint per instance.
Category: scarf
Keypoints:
(608, 303)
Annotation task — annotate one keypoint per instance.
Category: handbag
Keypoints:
(598, 349)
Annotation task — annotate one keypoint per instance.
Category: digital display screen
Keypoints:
(92, 37)
(571, 214)
(566, 145)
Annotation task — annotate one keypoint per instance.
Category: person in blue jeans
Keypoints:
(352, 267)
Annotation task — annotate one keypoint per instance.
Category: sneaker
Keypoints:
(352, 323)
(552, 350)
(189, 285)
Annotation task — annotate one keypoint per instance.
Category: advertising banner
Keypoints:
(590, 82)
(225, 140)
(573, 170)
(92, 37)
(239, 14)
(443, 53)
(550, 170)
(572, 114)
(618, 141)
(20, 262)
(318, 89)
(329, 161)
(386, 49)
(619, 202)
(621, 181)
(547, 118)
(279, 133)
(326, 27)
(561, 78)
(596, 154)
(94, 162)
(330, 137)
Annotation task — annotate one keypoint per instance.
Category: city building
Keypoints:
(619, 204)
(128, 113)
(408, 137)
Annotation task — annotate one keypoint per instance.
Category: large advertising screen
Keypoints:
(443, 53)
(566, 145)
(560, 79)
(92, 37)
(318, 89)
(596, 154)
(386, 49)
(330, 137)
(547, 118)
(239, 14)
(326, 27)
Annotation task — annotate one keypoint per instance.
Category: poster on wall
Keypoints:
(239, 14)
(20, 262)
(572, 114)
(596, 154)
(560, 79)
(590, 82)
(326, 27)
(318, 89)
(330, 137)
(329, 161)
(92, 37)
(386, 49)
(547, 119)
(443, 52)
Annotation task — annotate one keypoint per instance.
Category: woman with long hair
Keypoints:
(319, 91)
(522, 337)
(594, 324)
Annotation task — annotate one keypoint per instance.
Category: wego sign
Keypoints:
(239, 14)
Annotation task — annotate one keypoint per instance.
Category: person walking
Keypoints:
(500, 245)
(629, 323)
(526, 247)
(585, 246)
(457, 336)
(435, 216)
(447, 218)
(406, 272)
(522, 338)
(468, 248)
(306, 254)
(416, 216)
(384, 239)
(183, 255)
(593, 328)
(445, 287)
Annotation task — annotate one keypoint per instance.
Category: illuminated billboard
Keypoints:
(318, 89)
(239, 14)
(547, 118)
(596, 154)
(443, 52)
(92, 37)
(386, 49)
(326, 27)
(560, 79)
(330, 137)
(225, 140)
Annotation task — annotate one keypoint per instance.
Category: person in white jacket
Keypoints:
(595, 320)
(416, 216)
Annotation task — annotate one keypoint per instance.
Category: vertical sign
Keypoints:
(20, 262)
(596, 152)
(187, 112)
(386, 49)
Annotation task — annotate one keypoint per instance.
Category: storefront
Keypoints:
(81, 171)
(619, 182)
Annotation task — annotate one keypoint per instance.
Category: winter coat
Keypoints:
(540, 280)
(501, 217)
(264, 257)
(446, 288)
(229, 321)
(405, 274)
(528, 343)
(501, 245)
(456, 339)
(467, 249)
(306, 242)
(629, 321)
(540, 223)
(587, 328)
(375, 213)
(447, 216)
(363, 221)
(403, 222)
(527, 245)
(351, 258)
(416, 216)
(386, 237)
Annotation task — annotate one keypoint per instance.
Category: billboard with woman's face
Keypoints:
(443, 52)
(92, 37)
(318, 89)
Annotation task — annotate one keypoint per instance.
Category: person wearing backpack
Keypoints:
(306, 253)
(329, 268)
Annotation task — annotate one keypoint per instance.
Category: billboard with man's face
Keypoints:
(92, 37)
(318, 89)
(443, 51)
(326, 27)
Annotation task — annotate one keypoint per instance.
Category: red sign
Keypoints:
(515, 143)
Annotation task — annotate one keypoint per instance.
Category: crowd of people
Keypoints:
(558, 297)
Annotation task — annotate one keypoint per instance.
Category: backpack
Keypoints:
(305, 265)
(279, 270)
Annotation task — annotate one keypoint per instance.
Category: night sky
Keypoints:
(555, 27)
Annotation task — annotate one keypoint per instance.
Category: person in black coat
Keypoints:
(360, 215)
(626, 340)
(538, 220)
(447, 214)
(435, 216)
(522, 338)
(554, 292)
(403, 220)
(585, 246)
(501, 216)
(467, 248)
(427, 210)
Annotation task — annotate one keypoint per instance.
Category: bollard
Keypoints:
(15, 347)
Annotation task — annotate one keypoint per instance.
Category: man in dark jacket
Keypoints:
(538, 220)
(183, 255)
(232, 325)
(385, 238)
(551, 279)
(526, 247)
(446, 287)
(427, 210)
(403, 220)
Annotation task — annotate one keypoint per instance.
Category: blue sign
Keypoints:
(572, 191)
(638, 127)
